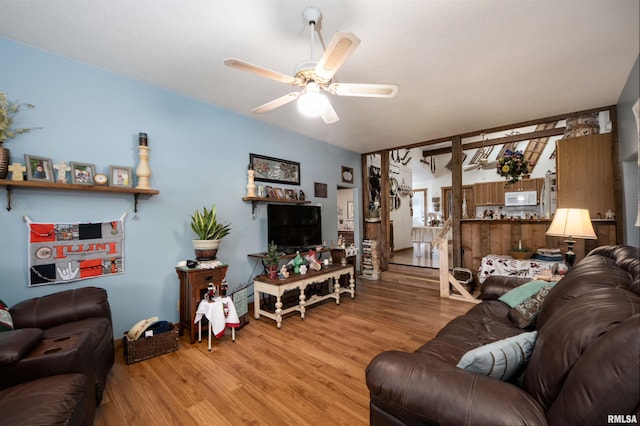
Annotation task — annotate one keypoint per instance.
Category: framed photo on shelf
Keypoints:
(269, 191)
(269, 169)
(279, 193)
(82, 173)
(39, 168)
(120, 176)
(290, 194)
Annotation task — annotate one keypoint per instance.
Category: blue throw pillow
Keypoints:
(517, 295)
(501, 360)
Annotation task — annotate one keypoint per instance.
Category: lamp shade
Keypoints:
(572, 223)
(311, 102)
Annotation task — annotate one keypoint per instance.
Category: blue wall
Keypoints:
(199, 156)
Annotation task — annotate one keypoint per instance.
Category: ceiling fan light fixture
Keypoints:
(311, 102)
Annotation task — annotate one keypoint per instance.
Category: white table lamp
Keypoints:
(571, 223)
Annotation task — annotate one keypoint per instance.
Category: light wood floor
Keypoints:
(310, 372)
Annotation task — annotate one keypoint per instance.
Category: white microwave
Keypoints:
(520, 198)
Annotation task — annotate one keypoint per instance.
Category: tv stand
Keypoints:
(262, 284)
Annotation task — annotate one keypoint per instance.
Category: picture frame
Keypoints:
(121, 176)
(347, 174)
(290, 194)
(279, 193)
(277, 170)
(39, 168)
(270, 192)
(82, 173)
(349, 209)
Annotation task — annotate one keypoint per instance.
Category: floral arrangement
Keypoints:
(8, 111)
(512, 166)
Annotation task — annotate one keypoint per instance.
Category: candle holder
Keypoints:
(251, 186)
(143, 172)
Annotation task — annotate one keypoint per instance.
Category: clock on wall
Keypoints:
(347, 174)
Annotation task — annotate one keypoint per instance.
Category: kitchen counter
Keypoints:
(481, 237)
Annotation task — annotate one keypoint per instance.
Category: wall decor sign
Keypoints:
(269, 169)
(66, 252)
(320, 190)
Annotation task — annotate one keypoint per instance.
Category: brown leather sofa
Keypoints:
(584, 366)
(54, 364)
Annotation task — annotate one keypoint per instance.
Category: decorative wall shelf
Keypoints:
(23, 184)
(255, 200)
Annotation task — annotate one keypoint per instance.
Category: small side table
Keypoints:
(221, 314)
(193, 285)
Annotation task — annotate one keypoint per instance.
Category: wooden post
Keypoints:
(456, 208)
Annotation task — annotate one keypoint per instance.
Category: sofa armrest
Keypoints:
(62, 307)
(416, 388)
(496, 285)
(34, 364)
(14, 344)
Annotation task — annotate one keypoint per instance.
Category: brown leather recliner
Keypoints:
(59, 334)
(585, 365)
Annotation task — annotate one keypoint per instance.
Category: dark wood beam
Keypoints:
(456, 202)
(499, 141)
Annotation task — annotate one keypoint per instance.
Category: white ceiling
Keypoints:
(462, 65)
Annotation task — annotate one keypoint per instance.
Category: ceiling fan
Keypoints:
(315, 77)
(482, 162)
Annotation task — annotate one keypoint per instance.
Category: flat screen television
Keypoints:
(294, 226)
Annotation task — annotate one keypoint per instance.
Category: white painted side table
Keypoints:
(221, 314)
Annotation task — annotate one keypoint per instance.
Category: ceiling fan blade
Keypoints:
(329, 115)
(470, 167)
(262, 72)
(340, 48)
(490, 165)
(363, 89)
(282, 100)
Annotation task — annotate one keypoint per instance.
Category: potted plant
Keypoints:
(8, 112)
(271, 261)
(209, 231)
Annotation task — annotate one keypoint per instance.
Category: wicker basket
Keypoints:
(149, 347)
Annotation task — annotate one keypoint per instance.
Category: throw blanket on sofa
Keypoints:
(65, 252)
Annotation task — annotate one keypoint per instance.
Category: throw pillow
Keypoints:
(524, 314)
(501, 360)
(517, 295)
(6, 322)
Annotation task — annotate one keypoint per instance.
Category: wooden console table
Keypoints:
(193, 285)
(262, 284)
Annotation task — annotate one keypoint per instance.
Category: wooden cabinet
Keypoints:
(524, 185)
(585, 173)
(347, 237)
(492, 193)
(193, 285)
(468, 194)
(488, 193)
